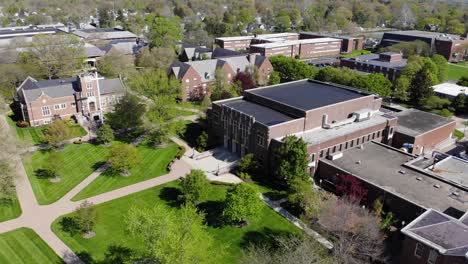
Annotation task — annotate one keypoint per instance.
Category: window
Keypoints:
(334, 149)
(89, 85)
(432, 257)
(261, 139)
(47, 121)
(89, 94)
(341, 147)
(368, 137)
(321, 153)
(73, 104)
(391, 131)
(56, 107)
(46, 110)
(351, 144)
(63, 106)
(378, 134)
(187, 80)
(312, 157)
(60, 106)
(357, 142)
(419, 250)
(346, 145)
(373, 135)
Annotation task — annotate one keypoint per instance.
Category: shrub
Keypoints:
(78, 141)
(181, 152)
(22, 124)
(244, 176)
(458, 134)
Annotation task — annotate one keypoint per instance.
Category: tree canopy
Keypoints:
(123, 157)
(291, 159)
(242, 204)
(127, 114)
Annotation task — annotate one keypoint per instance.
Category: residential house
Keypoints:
(83, 97)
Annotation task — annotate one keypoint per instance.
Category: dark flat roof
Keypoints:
(414, 122)
(380, 165)
(261, 114)
(308, 94)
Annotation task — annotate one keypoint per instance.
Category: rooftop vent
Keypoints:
(418, 178)
(402, 172)
(457, 194)
(437, 186)
(358, 162)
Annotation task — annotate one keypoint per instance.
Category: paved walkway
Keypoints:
(40, 217)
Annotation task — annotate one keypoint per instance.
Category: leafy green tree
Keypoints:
(53, 165)
(159, 135)
(7, 182)
(421, 86)
(247, 164)
(171, 237)
(463, 81)
(206, 102)
(123, 157)
(105, 134)
(127, 114)
(105, 20)
(434, 102)
(291, 69)
(291, 159)
(442, 67)
(459, 103)
(411, 48)
(155, 83)
(242, 203)
(221, 89)
(375, 83)
(114, 63)
(156, 58)
(401, 88)
(163, 31)
(274, 78)
(202, 141)
(303, 199)
(283, 23)
(194, 187)
(57, 132)
(86, 216)
(454, 26)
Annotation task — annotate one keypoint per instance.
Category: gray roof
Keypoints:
(237, 64)
(424, 34)
(308, 94)
(93, 51)
(373, 59)
(103, 33)
(108, 86)
(414, 122)
(127, 47)
(262, 114)
(220, 52)
(440, 231)
(381, 165)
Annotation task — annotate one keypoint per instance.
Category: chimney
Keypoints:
(251, 58)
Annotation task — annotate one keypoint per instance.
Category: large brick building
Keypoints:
(330, 118)
(348, 44)
(300, 49)
(196, 76)
(390, 64)
(452, 47)
(244, 42)
(85, 96)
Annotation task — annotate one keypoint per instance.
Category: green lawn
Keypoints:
(35, 135)
(9, 210)
(153, 163)
(192, 105)
(456, 71)
(110, 227)
(79, 161)
(355, 53)
(22, 246)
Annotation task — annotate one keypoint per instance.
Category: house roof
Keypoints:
(220, 52)
(374, 59)
(440, 231)
(451, 89)
(103, 33)
(108, 86)
(93, 51)
(127, 47)
(414, 122)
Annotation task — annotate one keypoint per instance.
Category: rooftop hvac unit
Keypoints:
(363, 114)
(335, 156)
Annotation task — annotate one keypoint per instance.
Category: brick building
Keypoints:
(329, 117)
(348, 44)
(196, 76)
(244, 42)
(436, 238)
(419, 132)
(390, 64)
(452, 47)
(300, 49)
(85, 96)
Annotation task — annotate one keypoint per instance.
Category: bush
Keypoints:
(22, 124)
(458, 134)
(78, 141)
(181, 152)
(245, 176)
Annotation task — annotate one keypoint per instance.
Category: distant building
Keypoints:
(452, 47)
(107, 34)
(406, 184)
(435, 237)
(197, 76)
(85, 96)
(189, 52)
(300, 49)
(330, 118)
(390, 64)
(419, 132)
(449, 90)
(25, 33)
(244, 42)
(348, 43)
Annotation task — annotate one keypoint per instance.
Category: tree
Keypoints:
(274, 78)
(156, 58)
(171, 237)
(421, 86)
(435, 103)
(357, 231)
(159, 135)
(411, 48)
(206, 102)
(247, 164)
(163, 31)
(291, 159)
(405, 17)
(463, 81)
(105, 134)
(60, 55)
(85, 217)
(57, 132)
(194, 187)
(202, 141)
(127, 114)
(303, 199)
(283, 23)
(105, 20)
(245, 79)
(7, 182)
(442, 67)
(114, 63)
(290, 69)
(401, 88)
(156, 83)
(54, 163)
(454, 26)
(242, 203)
(123, 157)
(220, 88)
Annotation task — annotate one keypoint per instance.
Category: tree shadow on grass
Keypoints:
(171, 196)
(98, 164)
(43, 174)
(213, 211)
(266, 237)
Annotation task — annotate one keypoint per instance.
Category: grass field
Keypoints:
(110, 227)
(355, 53)
(79, 161)
(153, 163)
(35, 135)
(456, 71)
(23, 246)
(9, 210)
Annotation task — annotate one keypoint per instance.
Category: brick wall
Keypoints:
(408, 254)
(64, 107)
(433, 138)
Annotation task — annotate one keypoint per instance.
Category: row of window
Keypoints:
(419, 251)
(46, 109)
(350, 144)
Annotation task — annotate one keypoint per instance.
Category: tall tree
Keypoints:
(127, 114)
(85, 217)
(105, 134)
(171, 237)
(123, 157)
(242, 204)
(291, 159)
(163, 31)
(442, 67)
(194, 187)
(114, 63)
(156, 58)
(57, 132)
(60, 55)
(421, 86)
